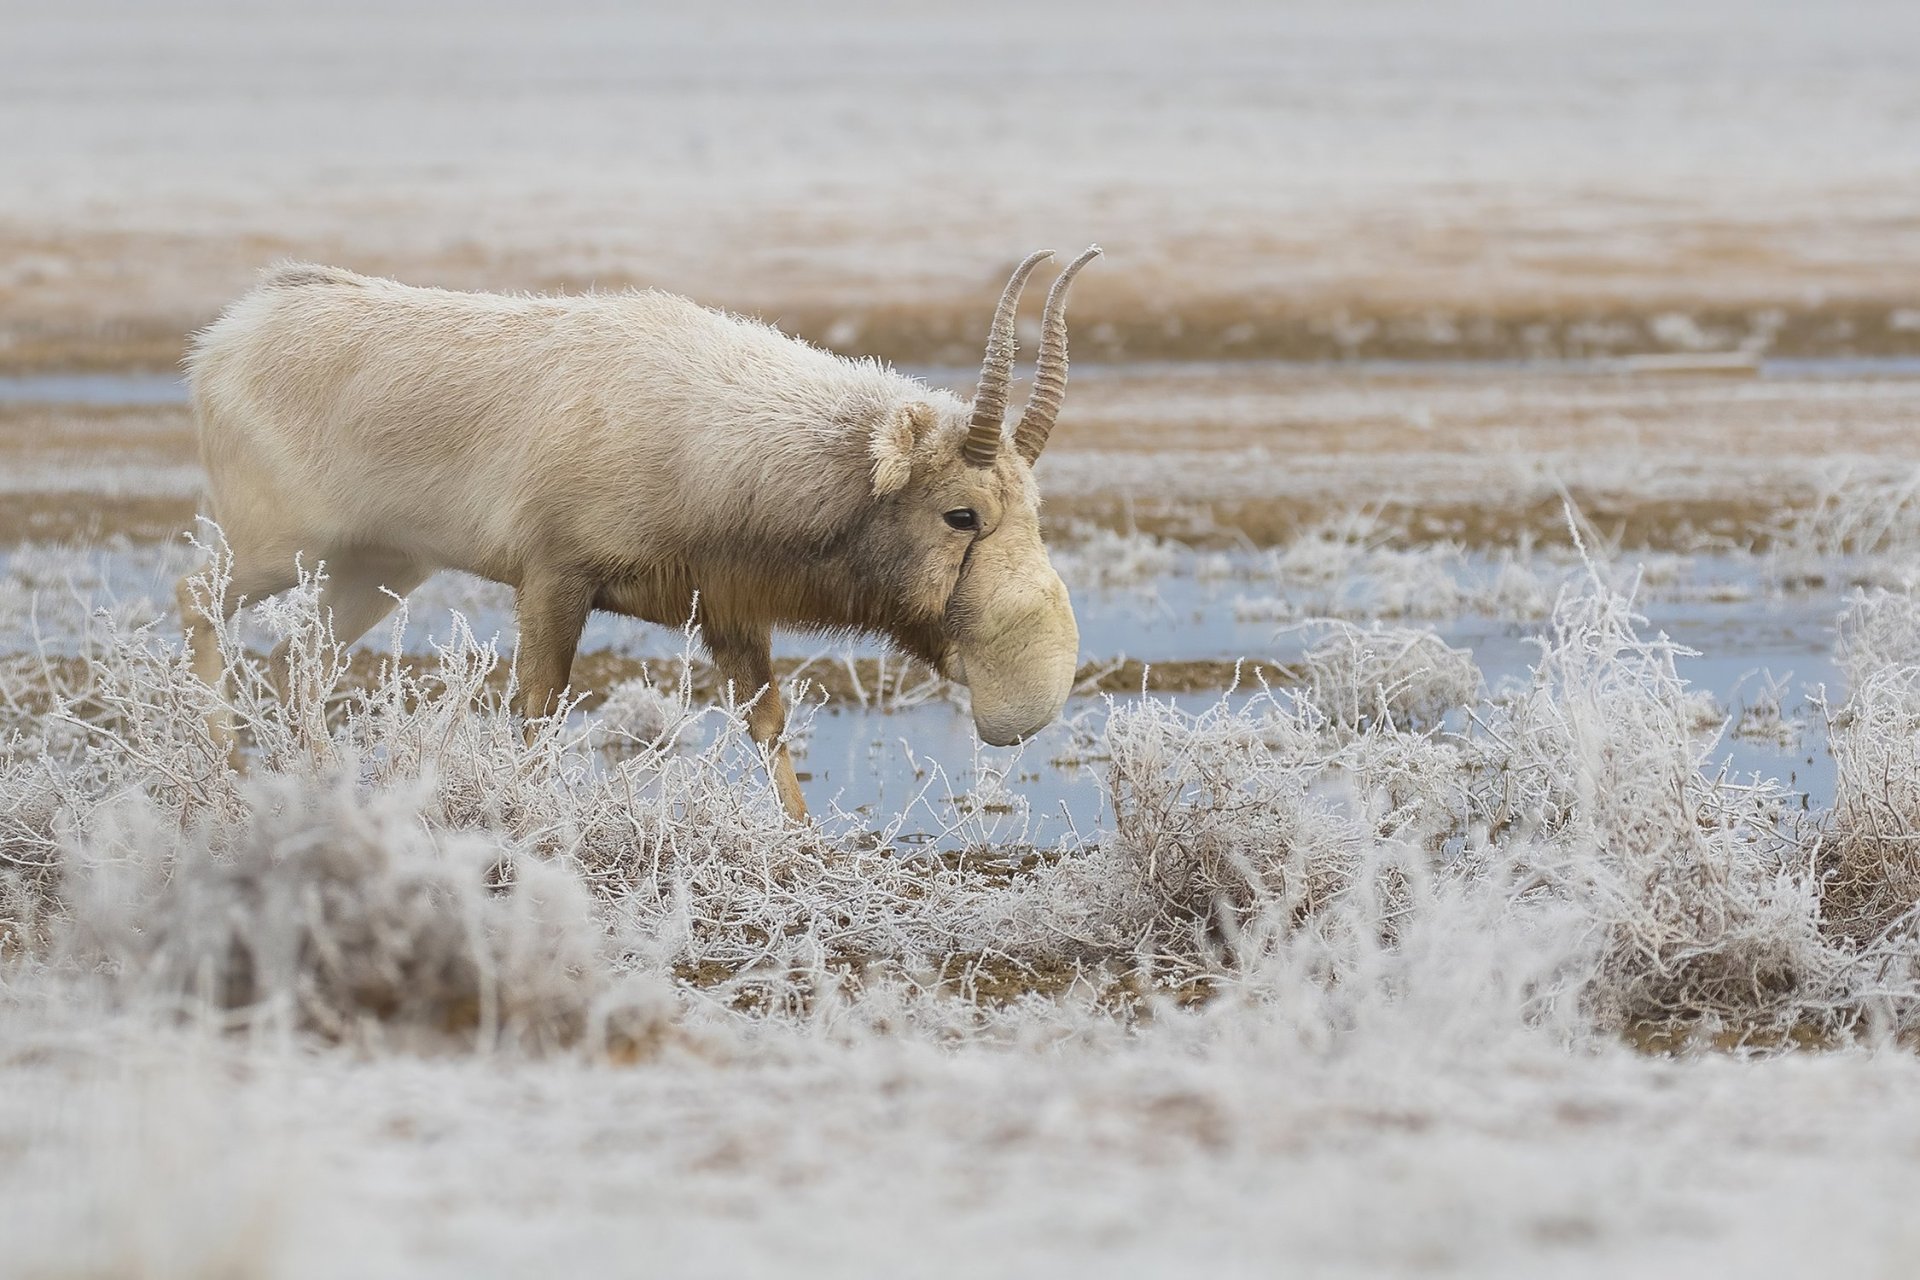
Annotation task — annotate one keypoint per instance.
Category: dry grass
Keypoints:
(96, 331)
(623, 690)
(1346, 812)
(1870, 857)
(1407, 679)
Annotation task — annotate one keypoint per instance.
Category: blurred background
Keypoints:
(1378, 179)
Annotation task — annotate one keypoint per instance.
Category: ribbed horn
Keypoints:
(1050, 375)
(996, 371)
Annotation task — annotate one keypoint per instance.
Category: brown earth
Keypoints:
(1238, 454)
(1454, 274)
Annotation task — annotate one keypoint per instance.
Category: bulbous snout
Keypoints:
(1020, 670)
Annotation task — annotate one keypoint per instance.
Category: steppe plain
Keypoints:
(1482, 842)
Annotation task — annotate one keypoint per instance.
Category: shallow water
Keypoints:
(93, 388)
(923, 769)
(924, 763)
(876, 763)
(115, 389)
(1742, 649)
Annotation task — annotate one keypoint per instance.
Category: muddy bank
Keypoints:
(1226, 455)
(86, 517)
(1131, 326)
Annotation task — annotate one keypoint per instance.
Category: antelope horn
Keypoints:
(1050, 375)
(996, 371)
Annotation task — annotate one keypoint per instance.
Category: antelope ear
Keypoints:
(891, 446)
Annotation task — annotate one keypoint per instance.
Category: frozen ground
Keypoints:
(1327, 989)
(1222, 1144)
(1448, 955)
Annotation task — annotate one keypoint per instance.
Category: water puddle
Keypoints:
(106, 389)
(115, 389)
(924, 764)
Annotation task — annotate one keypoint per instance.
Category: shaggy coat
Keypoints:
(628, 452)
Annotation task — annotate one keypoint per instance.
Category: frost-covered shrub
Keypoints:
(29, 854)
(1407, 678)
(1222, 820)
(1870, 854)
(1205, 820)
(1768, 716)
(406, 860)
(1356, 566)
(1699, 904)
(1348, 566)
(342, 918)
(1879, 630)
(1097, 558)
(1866, 528)
(1870, 857)
(639, 712)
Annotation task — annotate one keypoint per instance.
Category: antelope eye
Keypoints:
(965, 519)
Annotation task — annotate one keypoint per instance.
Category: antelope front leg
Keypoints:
(552, 612)
(748, 664)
